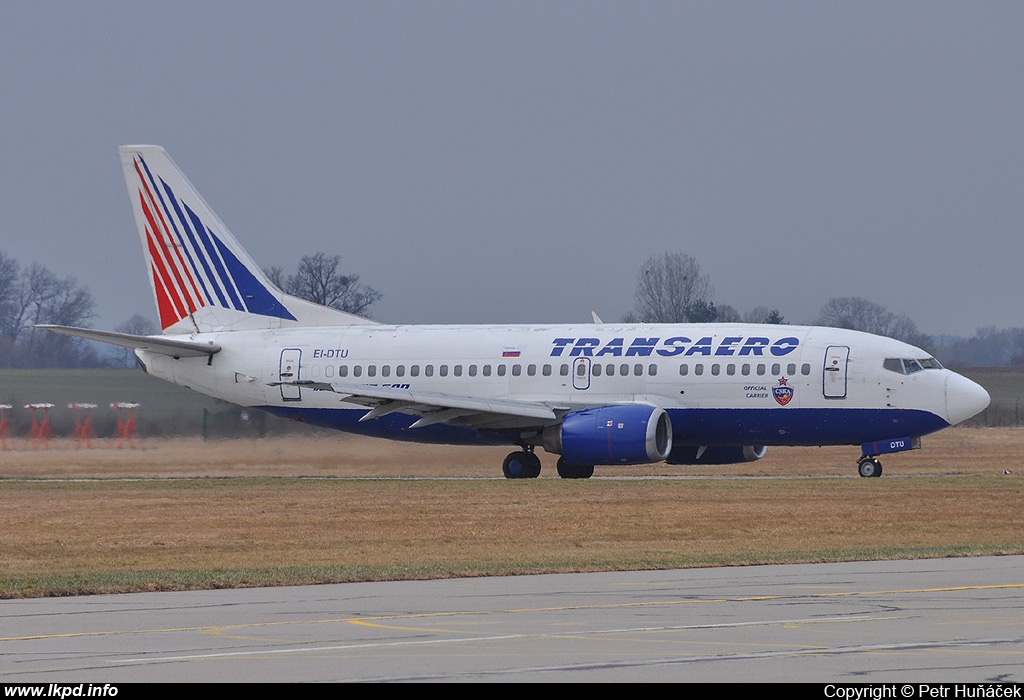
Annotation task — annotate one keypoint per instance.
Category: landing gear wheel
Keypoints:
(869, 467)
(574, 471)
(521, 465)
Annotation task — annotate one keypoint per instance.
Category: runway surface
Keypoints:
(928, 621)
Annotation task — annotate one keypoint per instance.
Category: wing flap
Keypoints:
(432, 407)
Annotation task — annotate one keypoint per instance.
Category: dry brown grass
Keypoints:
(180, 514)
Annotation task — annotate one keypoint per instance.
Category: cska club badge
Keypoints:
(783, 394)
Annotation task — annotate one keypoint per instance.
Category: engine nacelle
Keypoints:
(631, 434)
(716, 454)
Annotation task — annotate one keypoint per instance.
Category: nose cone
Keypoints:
(964, 398)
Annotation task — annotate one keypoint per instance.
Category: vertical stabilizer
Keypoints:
(202, 279)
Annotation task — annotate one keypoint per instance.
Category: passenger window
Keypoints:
(457, 370)
(357, 371)
(517, 370)
(385, 371)
(343, 371)
(761, 370)
(745, 370)
(652, 370)
(638, 370)
(531, 370)
(564, 370)
(442, 370)
(547, 370)
(414, 371)
(715, 369)
(472, 370)
(805, 369)
(487, 370)
(501, 370)
(791, 369)
(597, 370)
(428, 371)
(329, 371)
(400, 371)
(684, 370)
(698, 369)
(730, 369)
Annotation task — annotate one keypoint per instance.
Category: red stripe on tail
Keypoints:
(193, 297)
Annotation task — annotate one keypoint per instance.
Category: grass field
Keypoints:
(1006, 387)
(303, 506)
(179, 514)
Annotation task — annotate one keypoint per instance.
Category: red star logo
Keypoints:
(782, 381)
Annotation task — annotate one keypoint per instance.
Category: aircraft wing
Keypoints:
(164, 346)
(433, 407)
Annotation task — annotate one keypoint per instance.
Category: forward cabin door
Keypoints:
(289, 372)
(834, 380)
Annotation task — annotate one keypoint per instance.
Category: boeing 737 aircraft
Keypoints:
(595, 394)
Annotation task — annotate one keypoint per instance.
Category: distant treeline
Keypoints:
(989, 347)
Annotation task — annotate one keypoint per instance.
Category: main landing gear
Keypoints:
(524, 464)
(869, 466)
(574, 471)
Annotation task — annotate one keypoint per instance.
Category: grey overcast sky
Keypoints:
(518, 161)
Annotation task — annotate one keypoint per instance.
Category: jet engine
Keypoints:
(628, 434)
(716, 454)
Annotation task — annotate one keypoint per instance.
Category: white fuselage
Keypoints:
(720, 383)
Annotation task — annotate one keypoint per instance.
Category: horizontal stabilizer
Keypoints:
(159, 344)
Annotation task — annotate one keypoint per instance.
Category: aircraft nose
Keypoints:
(964, 398)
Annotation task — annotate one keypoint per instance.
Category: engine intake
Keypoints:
(631, 434)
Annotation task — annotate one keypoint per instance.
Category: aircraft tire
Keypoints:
(869, 467)
(574, 471)
(521, 465)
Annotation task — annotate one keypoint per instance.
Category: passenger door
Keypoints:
(835, 373)
(291, 359)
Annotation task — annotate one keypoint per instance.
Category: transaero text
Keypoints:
(681, 346)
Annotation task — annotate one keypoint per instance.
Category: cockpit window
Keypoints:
(893, 365)
(909, 365)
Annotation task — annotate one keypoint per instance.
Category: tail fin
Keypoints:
(203, 280)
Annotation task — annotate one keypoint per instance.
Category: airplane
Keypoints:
(596, 394)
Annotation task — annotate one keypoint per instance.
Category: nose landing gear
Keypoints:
(869, 466)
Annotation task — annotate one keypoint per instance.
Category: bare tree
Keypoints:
(724, 313)
(10, 294)
(35, 295)
(318, 280)
(860, 314)
(136, 325)
(671, 289)
(51, 299)
(762, 314)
